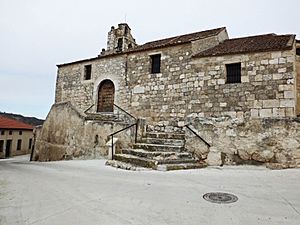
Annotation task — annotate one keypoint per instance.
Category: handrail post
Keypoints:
(112, 147)
(136, 131)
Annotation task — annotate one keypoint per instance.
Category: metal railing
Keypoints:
(197, 135)
(124, 111)
(112, 137)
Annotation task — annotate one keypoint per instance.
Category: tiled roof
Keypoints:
(260, 43)
(181, 39)
(177, 40)
(7, 123)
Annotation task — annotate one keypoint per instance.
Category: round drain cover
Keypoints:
(219, 197)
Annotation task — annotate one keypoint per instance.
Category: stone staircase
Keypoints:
(159, 151)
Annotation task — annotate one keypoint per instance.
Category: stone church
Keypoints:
(178, 103)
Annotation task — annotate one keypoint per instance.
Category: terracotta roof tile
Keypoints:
(260, 43)
(7, 123)
(177, 40)
(181, 39)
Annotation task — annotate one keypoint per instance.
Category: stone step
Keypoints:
(161, 141)
(135, 160)
(157, 155)
(103, 117)
(159, 148)
(184, 166)
(164, 135)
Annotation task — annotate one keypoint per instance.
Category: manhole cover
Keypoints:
(219, 197)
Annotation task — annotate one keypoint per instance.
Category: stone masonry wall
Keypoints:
(298, 83)
(267, 87)
(187, 85)
(274, 142)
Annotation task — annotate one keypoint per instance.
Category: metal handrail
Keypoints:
(89, 108)
(194, 132)
(112, 137)
(123, 110)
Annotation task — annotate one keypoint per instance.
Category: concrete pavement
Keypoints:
(90, 193)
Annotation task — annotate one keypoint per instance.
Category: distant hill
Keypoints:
(29, 120)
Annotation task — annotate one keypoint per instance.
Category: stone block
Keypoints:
(281, 70)
(278, 112)
(289, 112)
(254, 113)
(276, 55)
(264, 62)
(277, 76)
(265, 113)
(223, 104)
(274, 61)
(214, 157)
(288, 94)
(244, 79)
(138, 90)
(270, 103)
(286, 87)
(221, 81)
(287, 103)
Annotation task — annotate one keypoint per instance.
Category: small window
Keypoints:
(120, 44)
(298, 51)
(233, 73)
(1, 145)
(155, 63)
(30, 143)
(10, 132)
(87, 72)
(20, 132)
(2, 132)
(19, 144)
(130, 46)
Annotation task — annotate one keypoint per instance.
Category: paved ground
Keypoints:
(89, 193)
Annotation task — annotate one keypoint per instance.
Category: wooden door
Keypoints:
(106, 96)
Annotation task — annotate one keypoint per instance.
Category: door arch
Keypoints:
(106, 95)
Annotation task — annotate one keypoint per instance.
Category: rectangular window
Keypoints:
(298, 51)
(87, 72)
(1, 145)
(155, 63)
(30, 143)
(2, 132)
(19, 144)
(10, 132)
(233, 73)
(20, 132)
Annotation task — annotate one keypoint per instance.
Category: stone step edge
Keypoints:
(157, 145)
(140, 150)
(157, 162)
(184, 166)
(125, 166)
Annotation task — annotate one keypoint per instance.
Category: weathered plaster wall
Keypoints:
(14, 137)
(66, 134)
(275, 142)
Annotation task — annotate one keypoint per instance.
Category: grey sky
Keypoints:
(36, 35)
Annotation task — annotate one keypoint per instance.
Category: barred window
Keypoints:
(233, 73)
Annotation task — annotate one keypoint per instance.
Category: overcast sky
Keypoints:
(38, 34)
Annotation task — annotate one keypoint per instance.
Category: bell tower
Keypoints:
(119, 39)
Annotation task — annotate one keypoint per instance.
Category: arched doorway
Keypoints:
(106, 95)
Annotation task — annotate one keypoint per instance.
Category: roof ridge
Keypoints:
(182, 35)
(259, 35)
